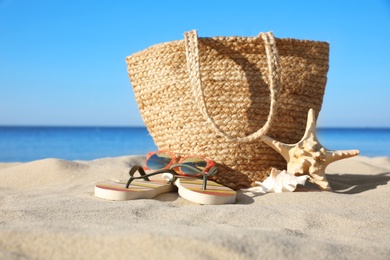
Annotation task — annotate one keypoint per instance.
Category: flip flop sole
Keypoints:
(137, 190)
(191, 189)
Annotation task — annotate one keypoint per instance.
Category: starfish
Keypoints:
(308, 156)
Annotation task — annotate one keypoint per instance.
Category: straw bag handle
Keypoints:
(192, 54)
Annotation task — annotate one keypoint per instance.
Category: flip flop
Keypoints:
(202, 191)
(191, 189)
(137, 189)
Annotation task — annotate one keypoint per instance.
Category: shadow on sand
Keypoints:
(356, 183)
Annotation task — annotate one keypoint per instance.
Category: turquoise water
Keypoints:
(370, 141)
(22, 144)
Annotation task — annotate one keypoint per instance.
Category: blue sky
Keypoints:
(63, 62)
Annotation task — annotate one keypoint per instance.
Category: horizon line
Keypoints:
(143, 126)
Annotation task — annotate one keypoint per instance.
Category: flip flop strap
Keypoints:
(140, 169)
(143, 174)
(213, 170)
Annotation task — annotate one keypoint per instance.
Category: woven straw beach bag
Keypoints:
(218, 96)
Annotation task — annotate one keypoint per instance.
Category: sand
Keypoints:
(48, 211)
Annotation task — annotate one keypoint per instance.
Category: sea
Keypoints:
(24, 144)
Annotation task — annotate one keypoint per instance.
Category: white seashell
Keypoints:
(278, 181)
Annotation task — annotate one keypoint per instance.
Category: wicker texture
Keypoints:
(217, 96)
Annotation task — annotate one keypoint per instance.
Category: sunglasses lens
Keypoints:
(159, 161)
(198, 163)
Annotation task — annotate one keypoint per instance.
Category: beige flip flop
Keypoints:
(136, 188)
(215, 194)
(202, 191)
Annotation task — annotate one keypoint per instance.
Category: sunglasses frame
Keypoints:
(178, 159)
(213, 170)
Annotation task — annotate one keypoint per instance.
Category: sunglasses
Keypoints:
(188, 165)
(167, 162)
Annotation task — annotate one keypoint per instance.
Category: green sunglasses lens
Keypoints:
(159, 161)
(194, 162)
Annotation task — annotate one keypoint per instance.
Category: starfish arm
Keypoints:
(332, 156)
(280, 147)
(311, 125)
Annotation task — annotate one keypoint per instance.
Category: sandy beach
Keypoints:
(48, 211)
